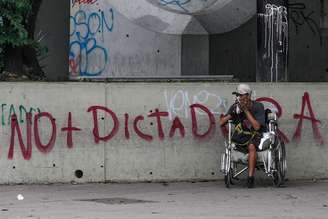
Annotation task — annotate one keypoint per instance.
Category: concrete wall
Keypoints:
(133, 43)
(137, 150)
(234, 52)
(114, 38)
(187, 17)
(105, 44)
(308, 46)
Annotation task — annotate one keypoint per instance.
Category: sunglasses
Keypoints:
(240, 95)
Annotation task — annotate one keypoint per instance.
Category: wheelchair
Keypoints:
(271, 157)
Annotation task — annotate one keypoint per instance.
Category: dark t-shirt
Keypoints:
(257, 111)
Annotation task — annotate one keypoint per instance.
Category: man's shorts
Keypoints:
(256, 140)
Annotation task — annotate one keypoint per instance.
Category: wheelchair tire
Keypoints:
(283, 160)
(281, 165)
(227, 179)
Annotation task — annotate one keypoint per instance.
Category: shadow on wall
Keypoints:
(308, 53)
(235, 52)
(52, 28)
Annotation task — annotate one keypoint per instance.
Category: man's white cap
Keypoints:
(243, 89)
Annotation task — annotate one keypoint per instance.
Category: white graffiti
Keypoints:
(178, 103)
(276, 37)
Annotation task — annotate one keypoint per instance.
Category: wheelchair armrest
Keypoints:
(272, 117)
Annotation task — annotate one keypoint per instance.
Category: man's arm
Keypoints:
(256, 125)
(230, 115)
(225, 119)
(254, 119)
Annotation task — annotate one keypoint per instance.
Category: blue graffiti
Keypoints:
(87, 57)
(179, 3)
(87, 49)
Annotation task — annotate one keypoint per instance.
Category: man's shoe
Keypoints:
(250, 182)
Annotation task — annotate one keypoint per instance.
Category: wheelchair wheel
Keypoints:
(281, 165)
(228, 178)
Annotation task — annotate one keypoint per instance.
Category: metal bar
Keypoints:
(240, 172)
(229, 137)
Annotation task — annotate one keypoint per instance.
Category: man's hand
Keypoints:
(245, 104)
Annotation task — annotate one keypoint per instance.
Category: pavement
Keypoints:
(296, 200)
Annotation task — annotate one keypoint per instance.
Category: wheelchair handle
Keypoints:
(230, 130)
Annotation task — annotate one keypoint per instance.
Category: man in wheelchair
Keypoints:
(255, 135)
(249, 119)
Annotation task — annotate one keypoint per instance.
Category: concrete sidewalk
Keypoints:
(173, 200)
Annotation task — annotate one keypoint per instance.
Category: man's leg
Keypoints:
(251, 159)
(251, 165)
